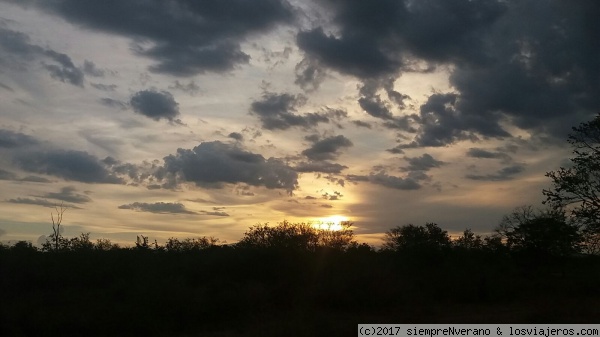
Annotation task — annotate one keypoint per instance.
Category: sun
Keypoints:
(333, 222)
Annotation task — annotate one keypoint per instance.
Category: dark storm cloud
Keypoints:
(11, 139)
(69, 165)
(320, 166)
(327, 148)
(211, 164)
(16, 50)
(40, 202)
(532, 62)
(442, 123)
(423, 163)
(185, 38)
(158, 207)
(358, 55)
(506, 173)
(155, 105)
(383, 179)
(544, 73)
(275, 111)
(68, 194)
(375, 36)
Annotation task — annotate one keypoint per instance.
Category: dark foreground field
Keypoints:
(225, 291)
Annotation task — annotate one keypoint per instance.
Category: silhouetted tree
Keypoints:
(23, 246)
(547, 232)
(187, 245)
(81, 243)
(336, 238)
(286, 235)
(578, 187)
(469, 240)
(105, 245)
(410, 237)
(56, 241)
(141, 243)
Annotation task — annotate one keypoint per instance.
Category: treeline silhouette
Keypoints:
(296, 279)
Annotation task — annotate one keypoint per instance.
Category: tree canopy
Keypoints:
(577, 188)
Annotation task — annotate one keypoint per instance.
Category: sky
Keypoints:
(186, 118)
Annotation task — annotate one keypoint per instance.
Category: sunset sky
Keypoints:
(187, 118)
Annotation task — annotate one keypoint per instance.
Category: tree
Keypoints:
(578, 187)
(542, 232)
(340, 238)
(56, 241)
(410, 237)
(189, 245)
(469, 240)
(286, 235)
(298, 236)
(105, 245)
(81, 243)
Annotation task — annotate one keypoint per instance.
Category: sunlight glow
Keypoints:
(331, 222)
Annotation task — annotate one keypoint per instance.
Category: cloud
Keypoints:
(69, 165)
(275, 111)
(542, 87)
(383, 179)
(211, 164)
(89, 68)
(506, 173)
(423, 163)
(184, 38)
(35, 179)
(358, 55)
(113, 103)
(40, 202)
(327, 148)
(501, 70)
(485, 154)
(104, 87)
(16, 51)
(155, 105)
(7, 175)
(309, 75)
(191, 88)
(158, 207)
(6, 87)
(11, 139)
(320, 166)
(236, 135)
(362, 124)
(217, 211)
(65, 71)
(68, 194)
